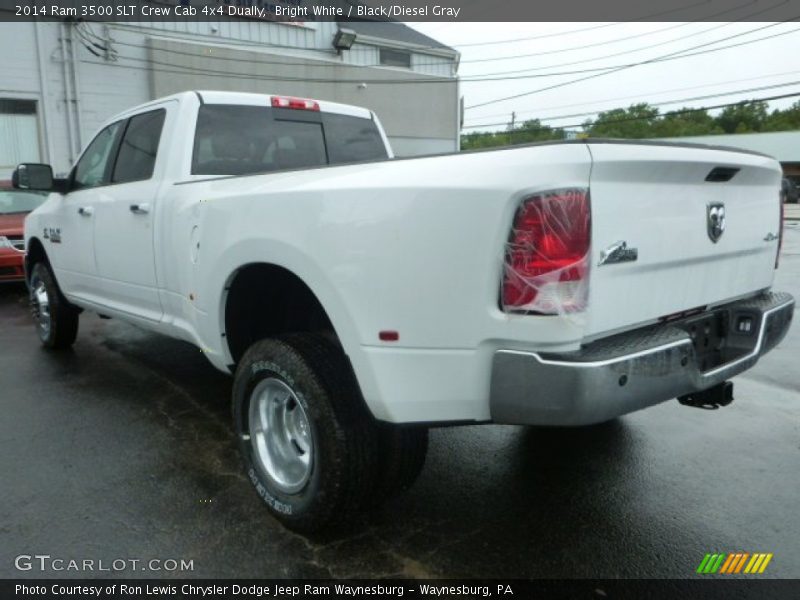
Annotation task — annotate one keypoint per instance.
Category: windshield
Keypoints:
(18, 201)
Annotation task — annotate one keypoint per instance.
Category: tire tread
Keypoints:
(63, 317)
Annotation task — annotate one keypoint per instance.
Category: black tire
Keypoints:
(401, 456)
(344, 435)
(60, 328)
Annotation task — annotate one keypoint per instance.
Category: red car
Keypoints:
(14, 207)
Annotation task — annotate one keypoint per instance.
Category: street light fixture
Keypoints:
(343, 40)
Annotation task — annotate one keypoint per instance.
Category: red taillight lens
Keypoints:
(294, 103)
(546, 261)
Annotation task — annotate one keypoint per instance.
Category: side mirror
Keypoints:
(33, 176)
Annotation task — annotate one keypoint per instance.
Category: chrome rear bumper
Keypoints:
(634, 370)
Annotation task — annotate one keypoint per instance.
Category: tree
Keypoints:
(783, 120)
(528, 132)
(635, 122)
(685, 121)
(743, 117)
(644, 121)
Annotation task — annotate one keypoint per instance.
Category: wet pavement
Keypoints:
(122, 449)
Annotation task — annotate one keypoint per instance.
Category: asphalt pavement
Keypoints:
(122, 449)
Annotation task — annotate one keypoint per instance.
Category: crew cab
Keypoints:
(360, 299)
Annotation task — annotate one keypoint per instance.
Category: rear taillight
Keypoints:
(294, 103)
(781, 201)
(547, 255)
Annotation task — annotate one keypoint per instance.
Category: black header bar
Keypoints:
(301, 12)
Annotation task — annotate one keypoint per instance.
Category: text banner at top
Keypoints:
(305, 11)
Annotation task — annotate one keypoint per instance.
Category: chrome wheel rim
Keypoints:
(281, 436)
(40, 305)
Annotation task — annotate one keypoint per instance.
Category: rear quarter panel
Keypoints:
(414, 246)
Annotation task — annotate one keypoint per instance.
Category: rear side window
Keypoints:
(351, 139)
(240, 140)
(137, 152)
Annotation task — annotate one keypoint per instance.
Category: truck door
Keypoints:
(70, 236)
(124, 244)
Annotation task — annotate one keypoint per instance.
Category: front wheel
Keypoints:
(308, 443)
(56, 320)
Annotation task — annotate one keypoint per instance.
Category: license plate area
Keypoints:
(721, 336)
(708, 333)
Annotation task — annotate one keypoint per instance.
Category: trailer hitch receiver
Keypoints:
(710, 399)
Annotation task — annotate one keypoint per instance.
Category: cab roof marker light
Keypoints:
(294, 103)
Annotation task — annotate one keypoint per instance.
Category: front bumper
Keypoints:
(634, 370)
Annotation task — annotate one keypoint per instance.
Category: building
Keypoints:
(61, 80)
(782, 145)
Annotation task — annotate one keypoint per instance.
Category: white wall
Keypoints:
(66, 121)
(19, 135)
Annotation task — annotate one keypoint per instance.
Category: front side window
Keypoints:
(137, 152)
(94, 167)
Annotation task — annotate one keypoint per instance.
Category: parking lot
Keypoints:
(122, 448)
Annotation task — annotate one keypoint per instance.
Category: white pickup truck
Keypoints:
(360, 299)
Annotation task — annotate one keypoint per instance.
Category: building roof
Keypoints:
(782, 145)
(395, 32)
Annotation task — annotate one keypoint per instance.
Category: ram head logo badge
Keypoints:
(715, 219)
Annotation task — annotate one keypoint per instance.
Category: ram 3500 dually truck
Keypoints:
(359, 299)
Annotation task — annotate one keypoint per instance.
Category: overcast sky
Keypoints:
(764, 63)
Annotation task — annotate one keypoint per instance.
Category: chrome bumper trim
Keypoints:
(637, 370)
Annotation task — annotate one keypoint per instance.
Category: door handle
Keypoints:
(86, 211)
(140, 209)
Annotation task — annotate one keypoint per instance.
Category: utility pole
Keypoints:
(513, 119)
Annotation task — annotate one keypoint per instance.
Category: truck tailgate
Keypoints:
(662, 200)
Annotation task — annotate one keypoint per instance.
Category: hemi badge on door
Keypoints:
(53, 234)
(618, 253)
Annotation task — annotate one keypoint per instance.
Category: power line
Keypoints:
(648, 17)
(438, 79)
(210, 48)
(639, 96)
(593, 45)
(671, 56)
(216, 43)
(592, 28)
(664, 103)
(545, 35)
(664, 58)
(447, 63)
(189, 70)
(634, 50)
(666, 114)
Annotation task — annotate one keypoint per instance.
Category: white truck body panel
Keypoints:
(656, 199)
(414, 246)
